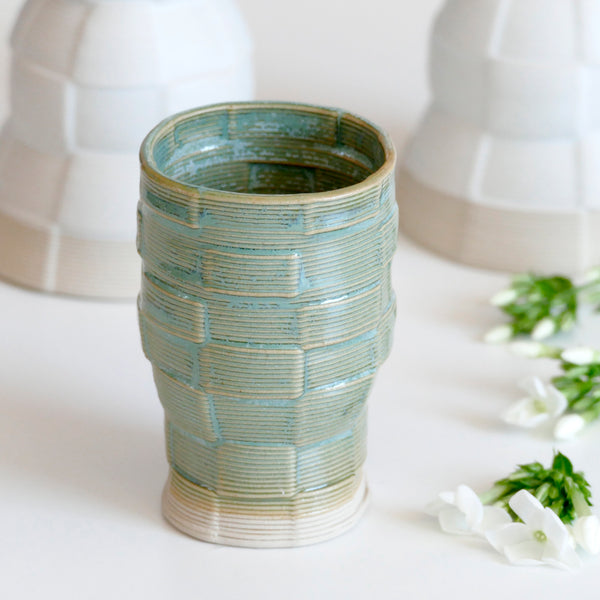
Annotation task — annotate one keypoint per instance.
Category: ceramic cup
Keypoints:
(266, 233)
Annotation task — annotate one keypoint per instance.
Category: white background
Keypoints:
(81, 444)
(367, 56)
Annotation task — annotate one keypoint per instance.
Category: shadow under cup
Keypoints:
(266, 233)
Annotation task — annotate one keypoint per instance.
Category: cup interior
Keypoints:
(268, 149)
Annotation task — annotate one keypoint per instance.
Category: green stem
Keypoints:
(542, 492)
(493, 495)
(582, 508)
(590, 415)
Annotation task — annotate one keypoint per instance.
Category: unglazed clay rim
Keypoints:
(150, 167)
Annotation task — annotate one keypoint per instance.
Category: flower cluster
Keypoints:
(540, 306)
(533, 516)
(572, 398)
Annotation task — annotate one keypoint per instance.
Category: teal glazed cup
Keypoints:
(266, 232)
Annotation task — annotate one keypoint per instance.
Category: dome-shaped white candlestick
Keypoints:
(89, 80)
(504, 171)
(8, 14)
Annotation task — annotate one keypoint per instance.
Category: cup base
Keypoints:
(310, 518)
(47, 260)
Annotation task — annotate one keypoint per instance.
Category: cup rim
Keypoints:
(150, 168)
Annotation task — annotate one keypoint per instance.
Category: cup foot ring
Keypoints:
(312, 517)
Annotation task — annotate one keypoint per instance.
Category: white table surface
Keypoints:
(81, 444)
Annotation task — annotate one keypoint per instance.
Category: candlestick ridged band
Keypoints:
(496, 237)
(266, 232)
(41, 257)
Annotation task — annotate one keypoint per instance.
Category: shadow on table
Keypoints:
(417, 519)
(428, 523)
(90, 454)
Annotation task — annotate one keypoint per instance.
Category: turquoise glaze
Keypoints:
(266, 232)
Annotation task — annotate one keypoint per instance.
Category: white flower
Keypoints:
(586, 532)
(542, 538)
(591, 276)
(568, 427)
(461, 512)
(542, 402)
(582, 355)
(567, 323)
(504, 297)
(529, 349)
(499, 335)
(544, 329)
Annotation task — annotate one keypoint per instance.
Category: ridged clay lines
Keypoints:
(201, 514)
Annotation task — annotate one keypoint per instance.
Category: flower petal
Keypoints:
(555, 530)
(533, 386)
(540, 388)
(469, 503)
(591, 275)
(508, 535)
(527, 507)
(434, 507)
(568, 426)
(524, 413)
(565, 559)
(586, 531)
(442, 501)
(504, 297)
(447, 497)
(453, 521)
(529, 552)
(528, 349)
(494, 517)
(581, 355)
(555, 401)
(499, 334)
(544, 329)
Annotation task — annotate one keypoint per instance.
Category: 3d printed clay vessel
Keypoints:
(266, 233)
(504, 171)
(89, 79)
